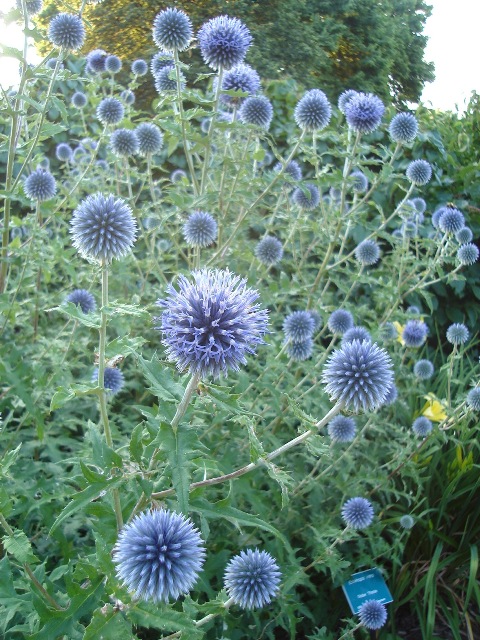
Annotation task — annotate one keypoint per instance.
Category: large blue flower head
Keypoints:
(110, 111)
(269, 250)
(364, 112)
(464, 235)
(239, 78)
(172, 29)
(96, 60)
(419, 172)
(224, 41)
(252, 578)
(124, 142)
(83, 299)
(165, 79)
(414, 333)
(468, 253)
(159, 555)
(313, 111)
(79, 100)
(200, 229)
(422, 426)
(66, 31)
(372, 614)
(451, 220)
(113, 379)
(40, 185)
(403, 128)
(357, 513)
(345, 97)
(150, 138)
(359, 375)
(160, 60)
(298, 326)
(423, 369)
(457, 333)
(212, 323)
(342, 429)
(307, 196)
(473, 398)
(256, 110)
(340, 321)
(113, 64)
(139, 67)
(103, 227)
(367, 252)
(300, 351)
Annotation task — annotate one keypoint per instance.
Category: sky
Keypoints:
(453, 47)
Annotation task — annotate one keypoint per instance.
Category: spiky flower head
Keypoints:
(212, 323)
(313, 111)
(464, 235)
(451, 220)
(79, 100)
(423, 369)
(372, 614)
(367, 252)
(414, 333)
(150, 138)
(113, 64)
(422, 426)
(473, 398)
(252, 578)
(178, 175)
(224, 41)
(359, 375)
(364, 112)
(256, 110)
(200, 230)
(127, 96)
(103, 227)
(110, 111)
(66, 31)
(392, 395)
(307, 196)
(403, 128)
(239, 78)
(33, 6)
(292, 169)
(159, 555)
(419, 172)
(160, 60)
(298, 326)
(52, 63)
(96, 60)
(389, 331)
(359, 181)
(342, 429)
(172, 29)
(467, 253)
(317, 319)
(124, 142)
(165, 79)
(419, 204)
(356, 333)
(113, 379)
(300, 351)
(345, 97)
(83, 299)
(40, 185)
(407, 522)
(357, 513)
(340, 321)
(64, 152)
(139, 67)
(457, 333)
(269, 250)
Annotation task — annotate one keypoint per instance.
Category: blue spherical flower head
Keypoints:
(40, 185)
(64, 152)
(172, 30)
(239, 78)
(52, 63)
(159, 555)
(403, 128)
(457, 333)
(252, 579)
(372, 614)
(313, 111)
(178, 175)
(419, 172)
(66, 31)
(345, 97)
(160, 60)
(224, 41)
(83, 299)
(128, 97)
(256, 110)
(317, 319)
(473, 398)
(422, 426)
(211, 324)
(388, 331)
(342, 429)
(468, 254)
(103, 227)
(419, 204)
(33, 6)
(166, 80)
(367, 253)
(269, 250)
(423, 369)
(414, 333)
(357, 513)
(292, 169)
(300, 351)
(298, 326)
(113, 379)
(96, 60)
(364, 112)
(110, 111)
(113, 64)
(451, 220)
(150, 139)
(359, 181)
(464, 235)
(306, 197)
(124, 142)
(359, 375)
(79, 100)
(356, 333)
(407, 522)
(200, 230)
(340, 321)
(139, 67)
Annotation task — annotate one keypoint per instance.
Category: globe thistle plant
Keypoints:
(364, 112)
(422, 426)
(178, 175)
(33, 6)
(200, 230)
(269, 250)
(419, 204)
(239, 78)
(372, 614)
(313, 111)
(113, 379)
(300, 351)
(166, 80)
(342, 429)
(110, 111)
(345, 97)
(150, 138)
(419, 172)
(464, 235)
(367, 253)
(113, 64)
(473, 398)
(340, 321)
(407, 522)
(391, 396)
(291, 169)
(388, 331)
(96, 60)
(356, 333)
(124, 142)
(423, 369)
(317, 319)
(298, 326)
(159, 555)
(359, 375)
(40, 185)
(160, 60)
(256, 110)
(457, 333)
(66, 31)
(128, 97)
(103, 227)
(252, 579)
(83, 299)
(172, 30)
(79, 100)
(414, 333)
(64, 152)
(139, 67)
(211, 323)
(451, 220)
(403, 128)
(309, 200)
(52, 63)
(359, 181)
(224, 41)
(357, 513)
(467, 254)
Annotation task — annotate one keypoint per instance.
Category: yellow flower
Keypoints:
(399, 327)
(433, 409)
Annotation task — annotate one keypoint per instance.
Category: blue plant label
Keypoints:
(366, 585)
